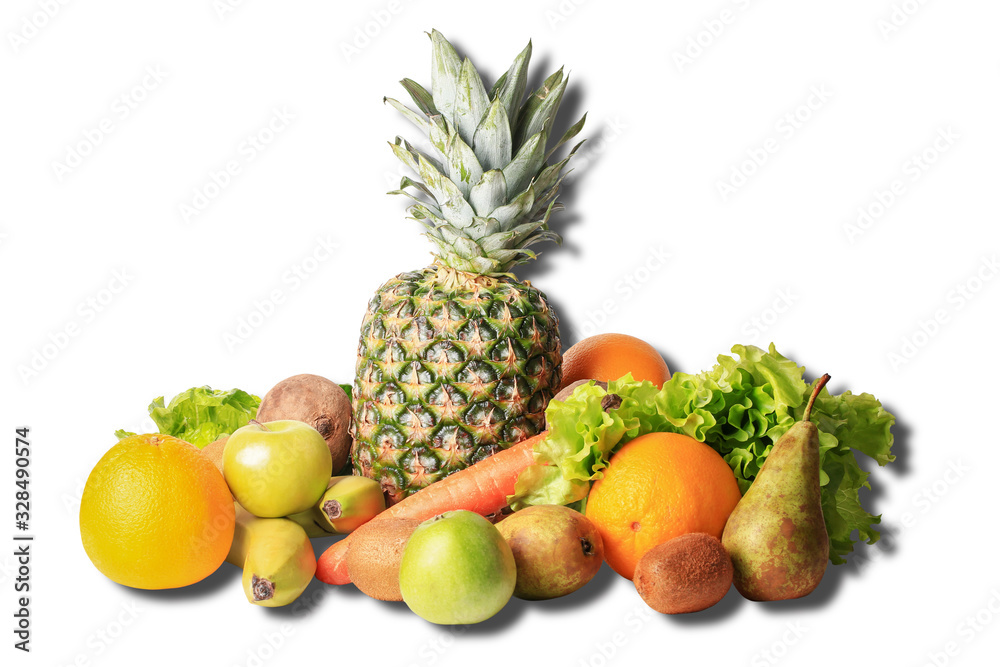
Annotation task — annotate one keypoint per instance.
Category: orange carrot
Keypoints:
(482, 488)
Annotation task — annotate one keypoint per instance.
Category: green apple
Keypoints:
(457, 569)
(277, 468)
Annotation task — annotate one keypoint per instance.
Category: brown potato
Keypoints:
(318, 402)
(567, 391)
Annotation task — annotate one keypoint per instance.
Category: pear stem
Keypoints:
(819, 387)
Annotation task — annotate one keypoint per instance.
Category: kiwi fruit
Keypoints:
(214, 451)
(375, 554)
(688, 573)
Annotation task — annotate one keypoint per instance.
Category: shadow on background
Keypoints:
(672, 363)
(595, 588)
(723, 609)
(819, 598)
(226, 575)
(902, 433)
(511, 613)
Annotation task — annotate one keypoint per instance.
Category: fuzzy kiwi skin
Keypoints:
(318, 402)
(689, 573)
(214, 451)
(375, 554)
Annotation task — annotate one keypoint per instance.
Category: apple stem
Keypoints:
(257, 423)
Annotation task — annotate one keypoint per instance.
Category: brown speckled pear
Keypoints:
(776, 536)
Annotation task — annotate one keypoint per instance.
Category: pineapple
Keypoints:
(459, 359)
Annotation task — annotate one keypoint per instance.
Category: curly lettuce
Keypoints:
(740, 408)
(576, 449)
(202, 415)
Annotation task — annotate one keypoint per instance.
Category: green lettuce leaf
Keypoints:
(202, 415)
(576, 450)
(740, 408)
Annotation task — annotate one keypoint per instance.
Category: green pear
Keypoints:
(776, 536)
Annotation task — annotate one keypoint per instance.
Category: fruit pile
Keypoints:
(473, 461)
(158, 512)
(665, 512)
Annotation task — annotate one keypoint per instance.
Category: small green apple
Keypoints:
(457, 569)
(277, 468)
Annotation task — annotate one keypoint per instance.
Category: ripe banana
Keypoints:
(349, 501)
(277, 558)
(312, 522)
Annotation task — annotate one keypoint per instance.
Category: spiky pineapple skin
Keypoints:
(448, 375)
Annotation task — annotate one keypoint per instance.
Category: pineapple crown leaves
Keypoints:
(486, 188)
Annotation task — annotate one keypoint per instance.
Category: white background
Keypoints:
(663, 134)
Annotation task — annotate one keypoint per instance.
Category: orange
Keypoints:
(609, 356)
(657, 487)
(156, 513)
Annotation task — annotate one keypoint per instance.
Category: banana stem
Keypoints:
(333, 509)
(262, 588)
